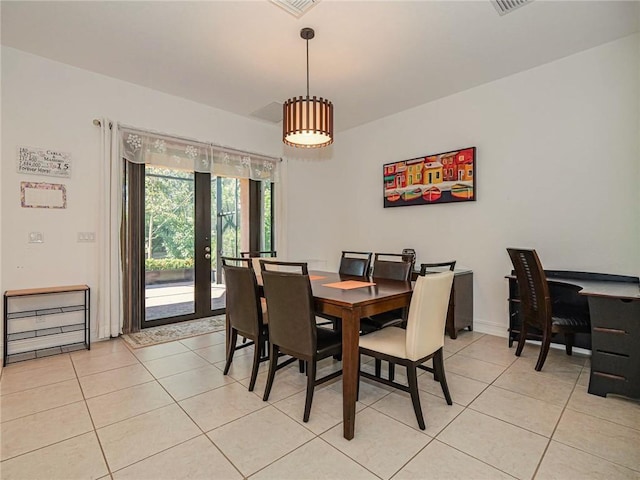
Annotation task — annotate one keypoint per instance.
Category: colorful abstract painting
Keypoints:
(442, 178)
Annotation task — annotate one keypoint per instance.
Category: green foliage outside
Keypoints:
(170, 222)
(151, 264)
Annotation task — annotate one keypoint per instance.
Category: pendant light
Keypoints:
(307, 122)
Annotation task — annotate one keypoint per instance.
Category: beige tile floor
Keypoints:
(167, 411)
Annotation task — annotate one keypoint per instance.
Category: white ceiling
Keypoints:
(371, 59)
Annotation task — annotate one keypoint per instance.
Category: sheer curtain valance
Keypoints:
(164, 150)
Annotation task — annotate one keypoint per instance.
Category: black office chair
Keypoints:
(245, 311)
(536, 309)
(292, 325)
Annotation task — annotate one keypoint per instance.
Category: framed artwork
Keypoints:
(43, 195)
(442, 178)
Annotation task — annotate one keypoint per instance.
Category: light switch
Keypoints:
(86, 237)
(36, 237)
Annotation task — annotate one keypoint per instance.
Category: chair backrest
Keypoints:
(535, 299)
(355, 263)
(437, 267)
(258, 254)
(292, 323)
(392, 266)
(428, 314)
(242, 296)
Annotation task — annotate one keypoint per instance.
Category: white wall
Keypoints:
(51, 105)
(557, 170)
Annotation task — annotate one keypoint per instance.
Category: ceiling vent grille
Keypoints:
(507, 6)
(297, 8)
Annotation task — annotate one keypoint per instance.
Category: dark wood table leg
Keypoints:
(350, 337)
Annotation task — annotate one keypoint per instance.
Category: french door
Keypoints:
(190, 221)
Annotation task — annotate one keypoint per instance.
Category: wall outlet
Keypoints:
(36, 237)
(86, 237)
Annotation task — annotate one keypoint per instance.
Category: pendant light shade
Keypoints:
(307, 122)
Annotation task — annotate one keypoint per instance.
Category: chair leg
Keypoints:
(256, 363)
(232, 348)
(544, 350)
(522, 339)
(569, 339)
(273, 364)
(438, 368)
(392, 371)
(415, 396)
(378, 367)
(311, 382)
(301, 365)
(358, 384)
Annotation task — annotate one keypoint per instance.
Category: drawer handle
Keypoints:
(609, 375)
(609, 330)
(615, 354)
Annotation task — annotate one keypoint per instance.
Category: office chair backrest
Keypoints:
(290, 304)
(394, 266)
(355, 263)
(535, 300)
(428, 314)
(242, 296)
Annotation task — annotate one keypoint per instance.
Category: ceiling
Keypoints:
(370, 58)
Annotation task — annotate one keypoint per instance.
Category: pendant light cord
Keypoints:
(307, 68)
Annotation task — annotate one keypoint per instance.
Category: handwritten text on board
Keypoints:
(39, 161)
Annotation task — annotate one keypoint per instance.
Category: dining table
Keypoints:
(350, 299)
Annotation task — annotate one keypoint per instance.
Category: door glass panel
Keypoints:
(169, 243)
(266, 214)
(227, 234)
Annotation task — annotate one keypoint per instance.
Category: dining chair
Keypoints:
(423, 339)
(436, 267)
(355, 263)
(391, 266)
(292, 325)
(258, 254)
(246, 313)
(536, 307)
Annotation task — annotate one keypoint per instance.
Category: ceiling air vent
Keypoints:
(271, 113)
(297, 8)
(507, 6)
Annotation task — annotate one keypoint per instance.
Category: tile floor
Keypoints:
(166, 412)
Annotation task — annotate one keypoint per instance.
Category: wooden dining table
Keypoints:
(351, 305)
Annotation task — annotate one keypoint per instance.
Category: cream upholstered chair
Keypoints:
(423, 339)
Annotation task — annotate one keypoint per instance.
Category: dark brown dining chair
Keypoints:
(292, 325)
(259, 254)
(436, 267)
(423, 339)
(390, 266)
(246, 313)
(536, 308)
(355, 263)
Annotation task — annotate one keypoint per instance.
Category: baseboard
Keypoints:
(498, 329)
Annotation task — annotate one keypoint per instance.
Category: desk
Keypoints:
(351, 306)
(613, 305)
